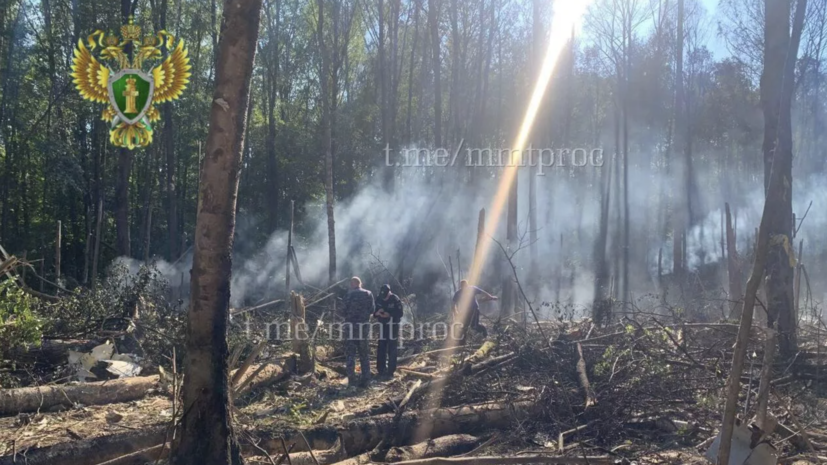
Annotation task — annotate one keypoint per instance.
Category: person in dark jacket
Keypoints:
(470, 315)
(359, 306)
(388, 313)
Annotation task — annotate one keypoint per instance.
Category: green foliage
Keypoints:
(161, 322)
(19, 326)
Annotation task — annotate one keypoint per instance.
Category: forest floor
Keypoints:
(643, 391)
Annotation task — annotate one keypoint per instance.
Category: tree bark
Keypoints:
(480, 237)
(444, 446)
(122, 202)
(327, 141)
(679, 207)
(271, 81)
(89, 452)
(433, 25)
(41, 398)
(98, 238)
(125, 157)
(537, 54)
(777, 79)
(762, 247)
(734, 269)
(357, 437)
(172, 196)
(207, 432)
(509, 289)
(300, 341)
(57, 251)
(417, 4)
(383, 73)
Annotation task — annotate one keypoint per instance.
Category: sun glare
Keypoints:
(567, 16)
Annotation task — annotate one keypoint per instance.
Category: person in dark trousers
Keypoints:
(359, 306)
(388, 314)
(469, 316)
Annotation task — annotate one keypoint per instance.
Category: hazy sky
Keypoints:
(716, 44)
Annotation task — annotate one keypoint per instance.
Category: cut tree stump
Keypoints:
(300, 339)
(32, 399)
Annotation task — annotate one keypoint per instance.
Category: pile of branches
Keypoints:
(648, 379)
(606, 382)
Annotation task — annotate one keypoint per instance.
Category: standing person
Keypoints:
(469, 316)
(359, 306)
(388, 313)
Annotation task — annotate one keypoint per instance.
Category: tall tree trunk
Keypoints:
(433, 24)
(777, 85)
(601, 306)
(453, 95)
(411, 67)
(172, 196)
(394, 69)
(122, 202)
(509, 300)
(626, 220)
(171, 163)
(146, 201)
(125, 156)
(383, 77)
(733, 269)
(271, 81)
(327, 140)
(537, 43)
(207, 436)
(678, 206)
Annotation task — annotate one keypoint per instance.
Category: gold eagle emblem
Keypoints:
(130, 92)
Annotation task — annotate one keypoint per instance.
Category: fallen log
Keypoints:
(490, 363)
(480, 354)
(320, 457)
(420, 389)
(364, 434)
(238, 374)
(356, 437)
(431, 353)
(437, 383)
(32, 399)
(418, 374)
(263, 375)
(88, 452)
(513, 460)
(51, 351)
(439, 447)
(443, 446)
(141, 457)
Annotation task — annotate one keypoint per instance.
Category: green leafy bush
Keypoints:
(19, 326)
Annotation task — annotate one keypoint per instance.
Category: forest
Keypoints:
(640, 185)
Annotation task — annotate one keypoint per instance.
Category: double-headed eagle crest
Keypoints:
(130, 92)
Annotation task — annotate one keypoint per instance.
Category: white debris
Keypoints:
(103, 351)
(123, 369)
(120, 365)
